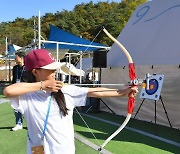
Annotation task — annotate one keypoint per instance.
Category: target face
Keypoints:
(155, 86)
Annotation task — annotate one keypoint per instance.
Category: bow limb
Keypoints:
(116, 132)
(120, 45)
(131, 100)
(132, 73)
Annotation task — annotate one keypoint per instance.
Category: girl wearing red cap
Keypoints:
(47, 104)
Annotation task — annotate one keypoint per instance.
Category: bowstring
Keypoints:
(90, 130)
(93, 39)
(90, 43)
(88, 127)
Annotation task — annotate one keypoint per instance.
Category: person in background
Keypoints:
(19, 75)
(47, 104)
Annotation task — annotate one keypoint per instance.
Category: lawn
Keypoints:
(128, 141)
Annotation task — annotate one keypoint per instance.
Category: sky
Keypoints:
(11, 9)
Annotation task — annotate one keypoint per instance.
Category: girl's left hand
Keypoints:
(131, 91)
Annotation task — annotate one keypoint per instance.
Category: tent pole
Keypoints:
(39, 30)
(74, 44)
(34, 41)
(57, 59)
(57, 52)
(6, 58)
(80, 66)
(69, 69)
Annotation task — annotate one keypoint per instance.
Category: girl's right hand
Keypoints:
(52, 85)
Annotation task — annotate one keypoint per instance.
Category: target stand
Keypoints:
(153, 92)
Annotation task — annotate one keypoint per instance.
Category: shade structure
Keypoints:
(69, 41)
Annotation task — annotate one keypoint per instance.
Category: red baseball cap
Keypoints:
(41, 58)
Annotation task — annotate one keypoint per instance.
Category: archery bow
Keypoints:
(131, 99)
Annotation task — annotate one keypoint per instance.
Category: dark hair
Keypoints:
(20, 54)
(59, 96)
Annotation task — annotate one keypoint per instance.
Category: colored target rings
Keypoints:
(153, 87)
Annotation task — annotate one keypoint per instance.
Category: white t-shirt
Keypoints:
(59, 135)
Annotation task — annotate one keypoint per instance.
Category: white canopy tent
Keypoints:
(152, 37)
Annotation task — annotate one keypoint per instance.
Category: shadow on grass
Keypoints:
(10, 128)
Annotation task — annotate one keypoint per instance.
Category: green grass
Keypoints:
(11, 142)
(83, 149)
(128, 141)
(159, 130)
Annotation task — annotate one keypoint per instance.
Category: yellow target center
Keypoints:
(151, 87)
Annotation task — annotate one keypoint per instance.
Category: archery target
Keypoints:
(155, 86)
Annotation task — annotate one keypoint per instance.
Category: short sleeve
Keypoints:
(78, 94)
(18, 104)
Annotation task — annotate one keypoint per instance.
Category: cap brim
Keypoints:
(52, 66)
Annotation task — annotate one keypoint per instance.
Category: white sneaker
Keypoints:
(17, 127)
